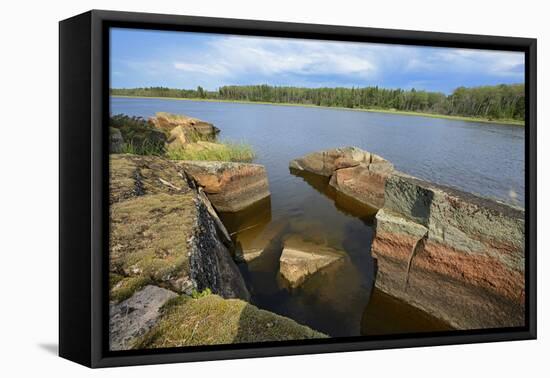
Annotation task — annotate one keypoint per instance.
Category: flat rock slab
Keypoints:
(136, 315)
(229, 186)
(301, 259)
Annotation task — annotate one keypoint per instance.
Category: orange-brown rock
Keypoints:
(352, 171)
(229, 186)
(182, 129)
(363, 182)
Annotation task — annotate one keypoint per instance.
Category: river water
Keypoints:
(487, 159)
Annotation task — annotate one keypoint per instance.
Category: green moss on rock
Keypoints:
(126, 287)
(212, 320)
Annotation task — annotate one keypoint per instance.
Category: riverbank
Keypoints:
(372, 110)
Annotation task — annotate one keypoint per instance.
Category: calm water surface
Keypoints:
(487, 159)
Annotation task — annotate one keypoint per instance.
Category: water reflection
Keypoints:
(386, 315)
(342, 202)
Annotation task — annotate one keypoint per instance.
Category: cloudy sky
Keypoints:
(143, 58)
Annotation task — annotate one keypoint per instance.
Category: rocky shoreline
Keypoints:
(169, 248)
(454, 255)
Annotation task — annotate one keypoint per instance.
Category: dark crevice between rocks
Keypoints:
(417, 247)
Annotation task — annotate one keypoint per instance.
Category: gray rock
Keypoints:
(136, 315)
(211, 263)
(116, 140)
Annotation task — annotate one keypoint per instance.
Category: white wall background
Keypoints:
(29, 185)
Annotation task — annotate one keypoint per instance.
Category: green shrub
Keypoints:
(146, 147)
(140, 136)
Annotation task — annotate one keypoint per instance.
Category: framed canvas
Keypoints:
(234, 188)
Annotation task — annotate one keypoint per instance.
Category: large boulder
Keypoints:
(135, 316)
(230, 187)
(455, 255)
(352, 171)
(183, 129)
(324, 163)
(301, 259)
(164, 231)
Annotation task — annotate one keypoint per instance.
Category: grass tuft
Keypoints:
(147, 147)
(225, 151)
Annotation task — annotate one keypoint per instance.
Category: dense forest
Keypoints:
(490, 102)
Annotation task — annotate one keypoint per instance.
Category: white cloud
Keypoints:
(232, 56)
(207, 69)
(496, 63)
(215, 60)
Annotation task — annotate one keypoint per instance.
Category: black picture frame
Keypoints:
(83, 181)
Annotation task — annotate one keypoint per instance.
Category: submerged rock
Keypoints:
(252, 243)
(455, 255)
(135, 316)
(230, 187)
(301, 259)
(165, 232)
(352, 171)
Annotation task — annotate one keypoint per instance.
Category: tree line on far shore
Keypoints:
(504, 101)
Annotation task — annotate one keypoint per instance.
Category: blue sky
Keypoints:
(143, 58)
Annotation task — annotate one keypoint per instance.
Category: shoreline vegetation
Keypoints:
(501, 104)
(176, 138)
